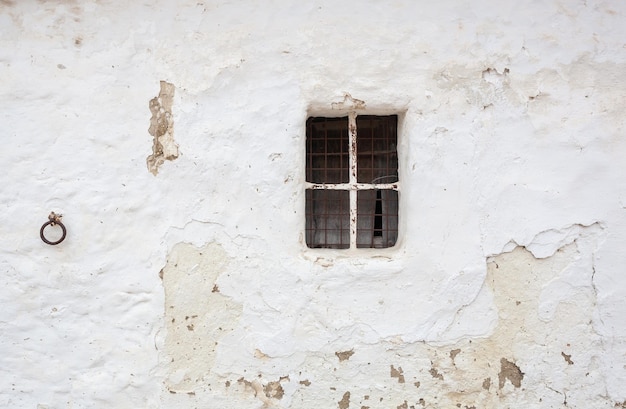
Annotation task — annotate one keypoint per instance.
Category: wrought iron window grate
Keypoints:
(352, 182)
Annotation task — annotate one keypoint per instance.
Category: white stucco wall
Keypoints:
(192, 286)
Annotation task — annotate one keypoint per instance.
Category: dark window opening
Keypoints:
(378, 218)
(352, 182)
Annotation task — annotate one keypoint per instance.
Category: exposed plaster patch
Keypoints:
(196, 317)
(460, 373)
(274, 390)
(435, 373)
(345, 355)
(397, 373)
(510, 371)
(344, 403)
(568, 358)
(454, 353)
(266, 394)
(348, 103)
(162, 128)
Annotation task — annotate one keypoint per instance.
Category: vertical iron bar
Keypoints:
(352, 132)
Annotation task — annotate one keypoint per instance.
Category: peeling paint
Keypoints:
(510, 371)
(274, 390)
(344, 355)
(197, 318)
(508, 270)
(435, 373)
(397, 373)
(447, 375)
(454, 353)
(344, 403)
(568, 358)
(162, 128)
(462, 373)
(348, 103)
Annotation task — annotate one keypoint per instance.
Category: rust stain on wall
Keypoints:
(162, 128)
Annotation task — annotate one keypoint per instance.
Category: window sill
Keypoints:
(330, 256)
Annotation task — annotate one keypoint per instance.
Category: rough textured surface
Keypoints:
(162, 128)
(197, 316)
(193, 287)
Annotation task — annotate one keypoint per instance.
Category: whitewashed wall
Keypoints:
(192, 287)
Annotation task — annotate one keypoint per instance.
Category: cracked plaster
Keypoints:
(505, 288)
(526, 357)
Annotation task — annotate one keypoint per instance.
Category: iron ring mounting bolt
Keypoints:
(53, 220)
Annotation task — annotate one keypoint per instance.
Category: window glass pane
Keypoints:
(328, 218)
(377, 218)
(327, 158)
(377, 157)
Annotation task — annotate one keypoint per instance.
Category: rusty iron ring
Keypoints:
(54, 219)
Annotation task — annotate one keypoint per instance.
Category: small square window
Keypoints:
(352, 182)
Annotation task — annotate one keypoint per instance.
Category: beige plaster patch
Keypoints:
(196, 317)
(491, 372)
(461, 374)
(162, 128)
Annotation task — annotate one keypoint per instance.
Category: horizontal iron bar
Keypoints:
(353, 186)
